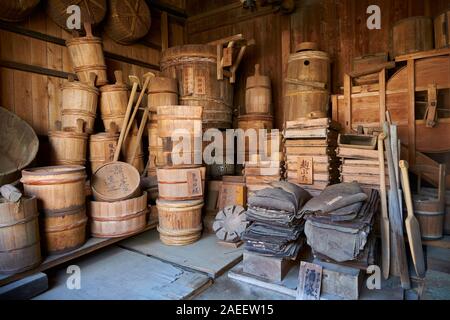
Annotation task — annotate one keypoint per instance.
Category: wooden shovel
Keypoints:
(135, 81)
(385, 244)
(412, 225)
(146, 78)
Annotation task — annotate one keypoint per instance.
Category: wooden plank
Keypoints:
(423, 54)
(91, 245)
(382, 83)
(26, 288)
(164, 31)
(348, 102)
(356, 153)
(411, 113)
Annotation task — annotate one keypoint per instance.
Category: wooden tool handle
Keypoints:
(88, 28)
(139, 134)
(384, 210)
(257, 70)
(119, 76)
(406, 188)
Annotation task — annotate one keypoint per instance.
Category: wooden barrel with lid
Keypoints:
(114, 101)
(20, 247)
(195, 68)
(79, 101)
(68, 147)
(86, 54)
(178, 184)
(128, 20)
(101, 149)
(307, 66)
(442, 30)
(305, 103)
(162, 91)
(14, 11)
(118, 219)
(258, 94)
(60, 191)
(180, 222)
(411, 35)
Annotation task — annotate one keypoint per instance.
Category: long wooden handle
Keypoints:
(406, 188)
(139, 134)
(384, 209)
(125, 121)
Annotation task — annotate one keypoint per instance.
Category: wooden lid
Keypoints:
(162, 84)
(306, 46)
(258, 80)
(53, 175)
(115, 181)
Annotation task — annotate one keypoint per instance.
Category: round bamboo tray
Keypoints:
(180, 223)
(14, 11)
(128, 20)
(20, 248)
(118, 219)
(179, 184)
(18, 146)
(115, 181)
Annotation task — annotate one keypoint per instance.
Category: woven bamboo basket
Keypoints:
(14, 11)
(92, 11)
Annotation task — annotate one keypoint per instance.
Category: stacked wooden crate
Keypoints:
(259, 173)
(310, 153)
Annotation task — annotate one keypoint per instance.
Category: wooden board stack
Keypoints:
(310, 149)
(259, 174)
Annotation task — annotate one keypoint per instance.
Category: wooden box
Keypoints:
(273, 269)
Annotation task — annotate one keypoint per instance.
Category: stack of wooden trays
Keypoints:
(259, 173)
(310, 153)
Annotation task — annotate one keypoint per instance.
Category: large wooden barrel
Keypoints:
(412, 35)
(180, 222)
(92, 11)
(195, 68)
(255, 121)
(79, 101)
(18, 146)
(118, 219)
(258, 94)
(86, 54)
(101, 149)
(178, 184)
(60, 191)
(128, 20)
(68, 147)
(20, 248)
(162, 91)
(442, 30)
(14, 11)
(115, 181)
(113, 102)
(305, 102)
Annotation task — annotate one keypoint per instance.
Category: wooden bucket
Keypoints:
(128, 20)
(442, 30)
(118, 219)
(430, 215)
(308, 66)
(68, 147)
(155, 144)
(20, 248)
(180, 222)
(87, 56)
(115, 181)
(113, 102)
(178, 184)
(162, 91)
(195, 68)
(14, 11)
(434, 193)
(60, 191)
(171, 118)
(305, 103)
(412, 34)
(258, 94)
(79, 102)
(18, 148)
(92, 11)
(101, 149)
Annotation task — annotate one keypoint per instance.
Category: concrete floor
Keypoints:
(103, 285)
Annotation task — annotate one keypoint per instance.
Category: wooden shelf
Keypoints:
(92, 244)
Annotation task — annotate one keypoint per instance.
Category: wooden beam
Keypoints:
(348, 103)
(164, 31)
(423, 54)
(36, 69)
(411, 113)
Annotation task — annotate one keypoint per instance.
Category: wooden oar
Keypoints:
(135, 81)
(412, 225)
(385, 245)
(395, 216)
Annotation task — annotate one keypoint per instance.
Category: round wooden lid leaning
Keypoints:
(115, 181)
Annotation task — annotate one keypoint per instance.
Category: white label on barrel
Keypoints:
(188, 80)
(194, 181)
(200, 85)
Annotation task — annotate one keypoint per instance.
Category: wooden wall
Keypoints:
(339, 26)
(36, 96)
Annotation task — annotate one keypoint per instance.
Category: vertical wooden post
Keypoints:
(219, 62)
(348, 102)
(382, 92)
(411, 113)
(164, 31)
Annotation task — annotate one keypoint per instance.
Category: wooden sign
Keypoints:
(227, 57)
(305, 170)
(309, 281)
(194, 181)
(200, 85)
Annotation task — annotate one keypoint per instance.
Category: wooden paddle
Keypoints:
(412, 225)
(385, 245)
(395, 216)
(135, 81)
